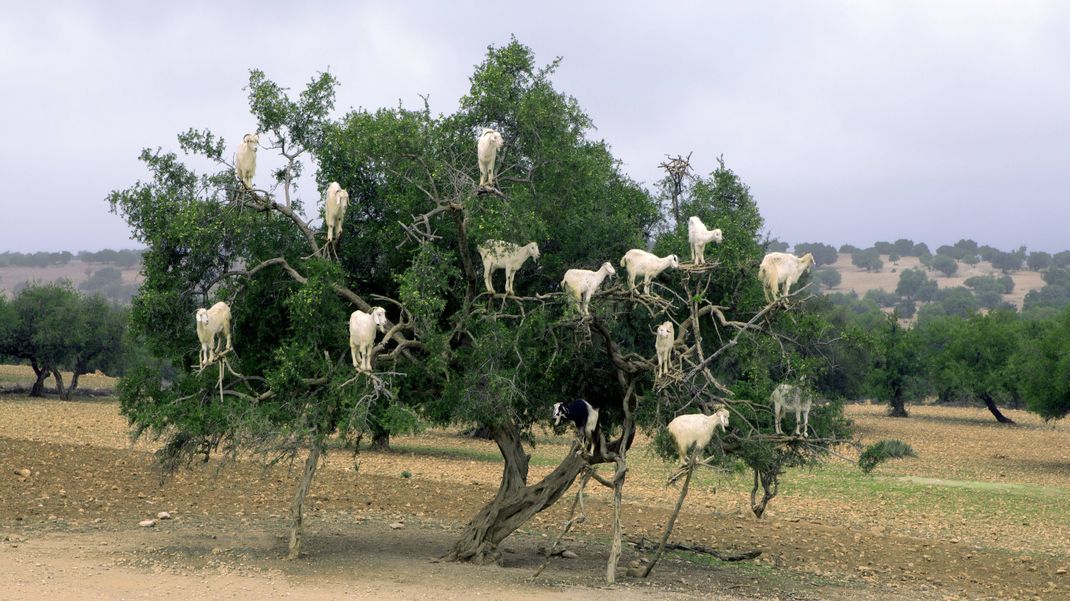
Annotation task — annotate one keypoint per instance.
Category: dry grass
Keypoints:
(75, 271)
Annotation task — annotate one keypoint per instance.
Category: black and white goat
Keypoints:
(583, 415)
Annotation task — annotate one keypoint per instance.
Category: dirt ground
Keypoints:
(982, 513)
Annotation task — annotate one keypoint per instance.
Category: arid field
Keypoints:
(982, 513)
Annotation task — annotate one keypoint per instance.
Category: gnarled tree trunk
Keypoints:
(991, 404)
(898, 408)
(59, 381)
(40, 374)
(516, 502)
(78, 371)
(297, 508)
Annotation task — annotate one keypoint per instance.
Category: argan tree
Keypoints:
(453, 354)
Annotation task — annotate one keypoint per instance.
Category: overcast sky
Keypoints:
(851, 121)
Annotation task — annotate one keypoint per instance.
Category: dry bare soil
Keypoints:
(982, 513)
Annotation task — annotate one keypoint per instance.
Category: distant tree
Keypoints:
(1061, 259)
(906, 308)
(1007, 261)
(975, 357)
(945, 265)
(904, 247)
(920, 249)
(881, 296)
(868, 259)
(102, 278)
(912, 282)
(966, 247)
(988, 290)
(829, 278)
(971, 259)
(1038, 260)
(957, 301)
(884, 248)
(1056, 276)
(93, 338)
(824, 254)
(43, 314)
(775, 245)
(986, 252)
(849, 249)
(948, 251)
(1046, 302)
(894, 257)
(1043, 366)
(894, 376)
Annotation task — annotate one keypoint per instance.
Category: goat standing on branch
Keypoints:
(245, 159)
(699, 237)
(362, 328)
(583, 415)
(580, 284)
(639, 262)
(695, 430)
(210, 323)
(663, 342)
(337, 202)
(782, 268)
(487, 149)
(787, 397)
(498, 254)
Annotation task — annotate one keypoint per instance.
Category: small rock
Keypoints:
(217, 551)
(1060, 571)
(24, 472)
(568, 554)
(147, 523)
(636, 571)
(397, 526)
(163, 515)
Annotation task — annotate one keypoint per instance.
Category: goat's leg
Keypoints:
(488, 275)
(798, 418)
(806, 423)
(353, 354)
(509, 275)
(778, 410)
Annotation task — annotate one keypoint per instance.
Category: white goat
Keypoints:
(696, 430)
(787, 397)
(487, 150)
(663, 342)
(210, 322)
(245, 159)
(699, 237)
(782, 268)
(362, 328)
(639, 262)
(498, 254)
(337, 201)
(580, 284)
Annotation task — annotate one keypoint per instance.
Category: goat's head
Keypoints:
(379, 317)
(608, 267)
(806, 260)
(202, 316)
(717, 236)
(559, 413)
(533, 250)
(674, 261)
(251, 141)
(720, 418)
(665, 330)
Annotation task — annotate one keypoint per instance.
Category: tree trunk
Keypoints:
(296, 525)
(39, 383)
(74, 384)
(59, 381)
(516, 502)
(381, 440)
(898, 408)
(991, 404)
(675, 512)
